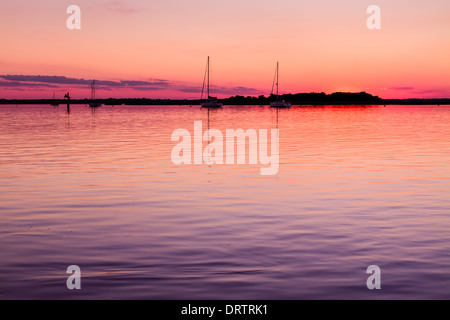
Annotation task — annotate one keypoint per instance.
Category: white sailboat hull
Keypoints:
(212, 104)
(280, 104)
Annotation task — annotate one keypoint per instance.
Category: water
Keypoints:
(357, 186)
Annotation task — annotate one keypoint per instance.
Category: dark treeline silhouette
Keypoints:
(337, 98)
(341, 98)
(417, 101)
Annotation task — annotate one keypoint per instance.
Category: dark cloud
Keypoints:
(44, 79)
(222, 90)
(17, 84)
(40, 81)
(433, 91)
(190, 89)
(55, 81)
(246, 89)
(145, 88)
(133, 83)
(236, 90)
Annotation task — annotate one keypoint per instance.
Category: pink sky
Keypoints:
(158, 49)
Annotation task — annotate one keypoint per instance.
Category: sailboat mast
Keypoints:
(211, 102)
(277, 78)
(93, 89)
(208, 78)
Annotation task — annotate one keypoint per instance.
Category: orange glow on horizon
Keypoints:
(322, 47)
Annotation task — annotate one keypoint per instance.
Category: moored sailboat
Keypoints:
(278, 103)
(93, 103)
(211, 102)
(54, 103)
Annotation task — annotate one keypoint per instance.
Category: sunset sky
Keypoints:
(158, 49)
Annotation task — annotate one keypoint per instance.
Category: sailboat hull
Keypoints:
(280, 104)
(212, 104)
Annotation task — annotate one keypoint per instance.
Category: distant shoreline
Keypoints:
(319, 99)
(197, 103)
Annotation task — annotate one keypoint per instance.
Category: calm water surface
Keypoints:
(357, 186)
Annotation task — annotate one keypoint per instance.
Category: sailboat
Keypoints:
(278, 103)
(210, 102)
(93, 103)
(54, 103)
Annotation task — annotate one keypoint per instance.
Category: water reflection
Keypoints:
(97, 188)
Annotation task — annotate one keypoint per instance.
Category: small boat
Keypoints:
(211, 102)
(54, 103)
(278, 103)
(93, 103)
